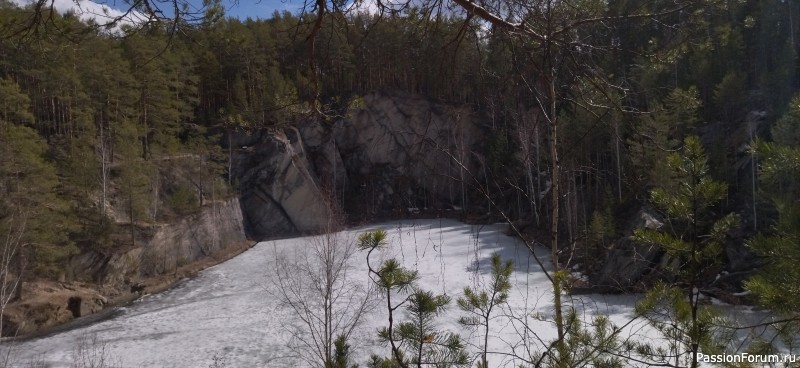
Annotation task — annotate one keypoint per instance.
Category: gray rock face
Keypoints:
(404, 152)
(398, 153)
(281, 194)
(193, 237)
(160, 251)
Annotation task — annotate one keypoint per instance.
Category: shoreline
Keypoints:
(150, 285)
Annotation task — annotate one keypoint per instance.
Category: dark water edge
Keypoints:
(118, 308)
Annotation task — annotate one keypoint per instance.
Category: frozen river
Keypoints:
(230, 314)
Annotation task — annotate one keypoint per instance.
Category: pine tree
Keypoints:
(28, 184)
(341, 354)
(481, 303)
(390, 278)
(693, 240)
(777, 285)
(415, 342)
(659, 132)
(423, 343)
(14, 103)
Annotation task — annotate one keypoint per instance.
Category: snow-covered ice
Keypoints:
(230, 311)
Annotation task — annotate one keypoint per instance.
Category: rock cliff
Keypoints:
(216, 226)
(400, 153)
(103, 278)
(281, 193)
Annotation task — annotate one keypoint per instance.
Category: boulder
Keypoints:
(48, 304)
(628, 263)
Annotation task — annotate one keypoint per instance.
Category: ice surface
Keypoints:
(230, 311)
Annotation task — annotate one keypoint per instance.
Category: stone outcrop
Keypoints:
(217, 225)
(51, 303)
(628, 263)
(120, 275)
(398, 153)
(404, 152)
(281, 194)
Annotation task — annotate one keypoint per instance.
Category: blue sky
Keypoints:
(264, 8)
(103, 9)
(258, 9)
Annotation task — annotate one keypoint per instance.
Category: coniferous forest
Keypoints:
(688, 108)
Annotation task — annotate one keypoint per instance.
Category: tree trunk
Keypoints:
(130, 215)
(20, 273)
(619, 166)
(230, 157)
(554, 214)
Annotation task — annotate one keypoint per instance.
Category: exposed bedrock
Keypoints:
(398, 153)
(97, 278)
(168, 246)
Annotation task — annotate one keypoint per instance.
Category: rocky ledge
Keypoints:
(102, 280)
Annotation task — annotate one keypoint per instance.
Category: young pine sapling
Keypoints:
(481, 303)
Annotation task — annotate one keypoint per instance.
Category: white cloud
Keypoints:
(102, 14)
(434, 7)
(365, 6)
